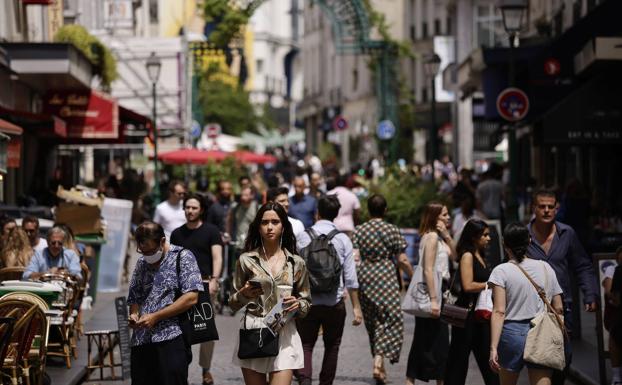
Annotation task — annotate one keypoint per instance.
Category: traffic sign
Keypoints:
(212, 130)
(340, 123)
(512, 104)
(552, 66)
(385, 130)
(195, 130)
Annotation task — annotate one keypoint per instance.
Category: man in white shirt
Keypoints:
(170, 213)
(280, 195)
(30, 224)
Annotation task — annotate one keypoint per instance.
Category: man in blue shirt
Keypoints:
(302, 206)
(328, 310)
(559, 245)
(54, 258)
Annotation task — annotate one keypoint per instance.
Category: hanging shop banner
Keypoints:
(14, 153)
(88, 114)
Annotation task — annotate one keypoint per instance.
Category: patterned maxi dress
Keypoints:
(379, 242)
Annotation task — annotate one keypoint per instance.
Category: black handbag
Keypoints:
(197, 323)
(452, 314)
(257, 342)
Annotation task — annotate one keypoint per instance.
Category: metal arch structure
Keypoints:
(351, 30)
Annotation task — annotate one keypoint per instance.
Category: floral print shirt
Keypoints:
(154, 289)
(251, 265)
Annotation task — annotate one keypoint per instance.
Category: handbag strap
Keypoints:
(542, 295)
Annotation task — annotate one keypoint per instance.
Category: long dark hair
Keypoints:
(516, 238)
(473, 230)
(253, 239)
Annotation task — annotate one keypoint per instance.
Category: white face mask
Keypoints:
(154, 258)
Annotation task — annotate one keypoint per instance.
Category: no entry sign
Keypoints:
(340, 123)
(512, 104)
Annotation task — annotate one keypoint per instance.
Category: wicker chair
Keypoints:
(11, 273)
(21, 339)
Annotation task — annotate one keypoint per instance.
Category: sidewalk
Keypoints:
(584, 366)
(101, 316)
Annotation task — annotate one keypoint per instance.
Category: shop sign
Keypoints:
(38, 2)
(88, 114)
(552, 67)
(14, 153)
(55, 17)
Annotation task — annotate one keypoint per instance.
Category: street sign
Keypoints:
(340, 123)
(385, 130)
(212, 130)
(195, 130)
(552, 67)
(512, 104)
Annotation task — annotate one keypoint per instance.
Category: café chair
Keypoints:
(11, 273)
(104, 341)
(20, 342)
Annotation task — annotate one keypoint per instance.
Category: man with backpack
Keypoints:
(328, 254)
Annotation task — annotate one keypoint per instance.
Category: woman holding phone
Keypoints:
(268, 265)
(430, 346)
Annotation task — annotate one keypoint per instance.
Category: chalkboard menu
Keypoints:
(124, 335)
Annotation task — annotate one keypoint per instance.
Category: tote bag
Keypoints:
(545, 339)
(197, 324)
(417, 300)
(483, 307)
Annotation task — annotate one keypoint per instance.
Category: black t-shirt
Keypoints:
(200, 242)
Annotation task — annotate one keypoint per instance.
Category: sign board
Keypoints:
(195, 130)
(552, 67)
(340, 123)
(118, 215)
(120, 304)
(385, 130)
(212, 130)
(88, 114)
(601, 262)
(512, 104)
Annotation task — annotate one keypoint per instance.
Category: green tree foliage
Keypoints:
(228, 19)
(229, 106)
(105, 65)
(406, 195)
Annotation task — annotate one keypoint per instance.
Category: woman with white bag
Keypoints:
(517, 309)
(475, 336)
(428, 353)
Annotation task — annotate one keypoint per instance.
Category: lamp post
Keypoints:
(153, 71)
(513, 13)
(431, 66)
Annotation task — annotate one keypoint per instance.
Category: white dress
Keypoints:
(290, 354)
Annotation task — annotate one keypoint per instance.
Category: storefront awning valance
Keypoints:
(42, 125)
(10, 128)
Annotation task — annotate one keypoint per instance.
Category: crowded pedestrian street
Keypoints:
(310, 192)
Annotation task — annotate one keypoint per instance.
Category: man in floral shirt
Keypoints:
(159, 353)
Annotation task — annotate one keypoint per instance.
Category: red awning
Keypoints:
(45, 125)
(10, 128)
(253, 158)
(192, 156)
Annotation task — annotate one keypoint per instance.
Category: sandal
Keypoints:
(379, 373)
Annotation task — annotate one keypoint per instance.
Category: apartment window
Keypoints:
(153, 11)
(413, 33)
(424, 29)
(437, 27)
(259, 65)
(449, 26)
(355, 79)
(424, 95)
(488, 26)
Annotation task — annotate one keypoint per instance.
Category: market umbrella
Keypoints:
(192, 156)
(251, 157)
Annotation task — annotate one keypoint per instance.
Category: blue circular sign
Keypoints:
(385, 130)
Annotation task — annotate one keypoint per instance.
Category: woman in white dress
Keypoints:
(269, 259)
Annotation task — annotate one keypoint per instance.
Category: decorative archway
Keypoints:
(351, 31)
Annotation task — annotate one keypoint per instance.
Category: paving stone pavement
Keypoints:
(355, 361)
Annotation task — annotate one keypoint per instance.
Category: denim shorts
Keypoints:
(512, 346)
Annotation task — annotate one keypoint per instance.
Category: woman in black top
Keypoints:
(475, 336)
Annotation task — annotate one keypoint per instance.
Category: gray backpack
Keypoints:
(322, 262)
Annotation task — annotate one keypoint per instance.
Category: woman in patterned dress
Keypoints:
(378, 243)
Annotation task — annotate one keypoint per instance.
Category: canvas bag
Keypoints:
(545, 339)
(417, 301)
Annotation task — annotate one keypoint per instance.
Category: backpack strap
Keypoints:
(332, 234)
(312, 234)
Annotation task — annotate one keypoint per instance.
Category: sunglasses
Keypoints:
(56, 243)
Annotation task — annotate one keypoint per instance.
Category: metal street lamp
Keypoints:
(513, 13)
(154, 65)
(431, 66)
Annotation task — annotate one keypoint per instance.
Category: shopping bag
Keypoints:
(483, 307)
